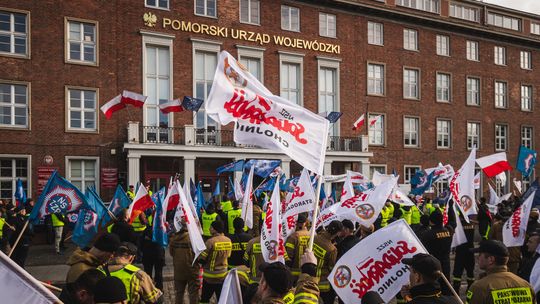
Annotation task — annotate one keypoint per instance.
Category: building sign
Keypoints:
(109, 177)
(151, 20)
(43, 175)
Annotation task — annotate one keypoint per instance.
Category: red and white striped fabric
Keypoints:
(494, 164)
(141, 202)
(359, 123)
(133, 99)
(171, 106)
(112, 106)
(373, 121)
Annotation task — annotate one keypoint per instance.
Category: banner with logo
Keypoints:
(375, 264)
(301, 198)
(195, 237)
(462, 187)
(264, 119)
(272, 243)
(515, 227)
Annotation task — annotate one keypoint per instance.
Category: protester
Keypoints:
(131, 192)
(233, 213)
(82, 290)
(347, 238)
(185, 271)
(110, 290)
(464, 258)
(153, 256)
(122, 228)
(208, 217)
(239, 240)
(326, 254)
(253, 258)
(296, 244)
(496, 234)
(20, 250)
(528, 263)
(484, 219)
(58, 222)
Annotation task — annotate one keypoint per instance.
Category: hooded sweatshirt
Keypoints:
(80, 261)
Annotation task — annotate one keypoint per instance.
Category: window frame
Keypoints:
(479, 91)
(69, 158)
(28, 158)
(496, 55)
(28, 106)
(28, 54)
(491, 21)
(405, 167)
(418, 131)
(330, 63)
(383, 132)
(252, 52)
(531, 139)
(375, 26)
(450, 143)
(533, 26)
(168, 8)
(373, 166)
(407, 44)
(383, 79)
(250, 17)
(418, 82)
(463, 8)
(70, 129)
(496, 95)
(506, 137)
(477, 50)
(407, 4)
(67, 48)
(479, 123)
(449, 88)
(335, 24)
(439, 39)
(528, 60)
(531, 97)
(206, 9)
(293, 58)
(290, 9)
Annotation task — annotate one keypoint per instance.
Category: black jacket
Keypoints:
(430, 294)
(346, 244)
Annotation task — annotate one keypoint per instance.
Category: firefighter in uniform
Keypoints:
(257, 220)
(185, 275)
(215, 261)
(233, 213)
(207, 218)
(131, 192)
(498, 285)
(227, 204)
(296, 244)
(464, 259)
(253, 257)
(326, 254)
(415, 217)
(239, 240)
(496, 234)
(386, 213)
(138, 284)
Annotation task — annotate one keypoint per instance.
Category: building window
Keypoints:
(472, 50)
(328, 90)
(501, 137)
(81, 42)
(205, 8)
(500, 187)
(526, 181)
(503, 21)
(501, 95)
(410, 39)
(464, 12)
(163, 4)
(375, 33)
(473, 91)
(376, 168)
(376, 131)
(535, 28)
(83, 173)
(441, 186)
(473, 135)
(444, 136)
(431, 6)
(327, 25)
(250, 11)
(13, 33)
(525, 60)
(410, 171)
(13, 105)
(12, 169)
(411, 84)
(82, 108)
(443, 45)
(291, 78)
(443, 87)
(290, 18)
(527, 137)
(252, 60)
(375, 79)
(500, 55)
(411, 129)
(526, 98)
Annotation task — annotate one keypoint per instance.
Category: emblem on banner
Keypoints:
(60, 200)
(466, 202)
(365, 211)
(342, 276)
(272, 250)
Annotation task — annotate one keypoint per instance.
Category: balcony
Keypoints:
(191, 136)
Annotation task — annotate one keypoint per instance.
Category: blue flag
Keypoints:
(421, 182)
(526, 161)
(159, 227)
(267, 185)
(58, 196)
(334, 116)
(199, 199)
(192, 104)
(119, 202)
(90, 214)
(20, 195)
(263, 167)
(534, 186)
(234, 166)
(217, 189)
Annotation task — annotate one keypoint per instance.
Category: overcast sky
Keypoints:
(530, 6)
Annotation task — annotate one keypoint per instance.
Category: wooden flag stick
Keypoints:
(51, 287)
(18, 238)
(315, 214)
(450, 287)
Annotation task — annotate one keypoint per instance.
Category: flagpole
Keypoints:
(315, 214)
(450, 286)
(18, 238)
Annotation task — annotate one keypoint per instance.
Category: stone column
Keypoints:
(189, 168)
(134, 169)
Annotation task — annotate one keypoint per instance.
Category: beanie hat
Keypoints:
(108, 242)
(218, 226)
(109, 290)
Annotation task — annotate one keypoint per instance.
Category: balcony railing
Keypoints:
(190, 136)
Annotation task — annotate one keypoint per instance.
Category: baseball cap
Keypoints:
(126, 248)
(277, 276)
(424, 264)
(302, 218)
(218, 226)
(492, 247)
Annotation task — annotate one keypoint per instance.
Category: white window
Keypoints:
(535, 28)
(205, 8)
(464, 12)
(500, 187)
(444, 134)
(13, 105)
(83, 172)
(409, 173)
(526, 181)
(375, 33)
(503, 21)
(12, 169)
(204, 66)
(163, 4)
(411, 84)
(443, 87)
(411, 129)
(290, 18)
(443, 45)
(527, 136)
(376, 131)
(82, 108)
(376, 168)
(252, 60)
(441, 185)
(526, 97)
(501, 95)
(327, 25)
(473, 91)
(250, 11)
(472, 50)
(473, 135)
(375, 79)
(410, 39)
(13, 33)
(328, 90)
(525, 60)
(501, 137)
(291, 76)
(431, 6)
(81, 42)
(500, 55)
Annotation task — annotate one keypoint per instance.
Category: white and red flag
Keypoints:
(112, 106)
(459, 236)
(515, 227)
(134, 99)
(172, 199)
(462, 187)
(247, 203)
(302, 197)
(195, 236)
(373, 120)
(272, 243)
(359, 122)
(494, 164)
(238, 192)
(171, 106)
(264, 119)
(141, 202)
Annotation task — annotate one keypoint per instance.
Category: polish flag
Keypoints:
(112, 106)
(170, 106)
(133, 98)
(359, 123)
(374, 120)
(141, 202)
(494, 164)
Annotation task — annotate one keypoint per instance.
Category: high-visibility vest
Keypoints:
(207, 220)
(415, 217)
(429, 208)
(226, 206)
(137, 225)
(130, 194)
(2, 222)
(231, 215)
(385, 216)
(125, 275)
(406, 215)
(56, 222)
(109, 228)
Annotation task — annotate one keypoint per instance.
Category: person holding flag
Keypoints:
(296, 244)
(326, 254)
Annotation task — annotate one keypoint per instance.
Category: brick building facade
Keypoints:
(443, 74)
